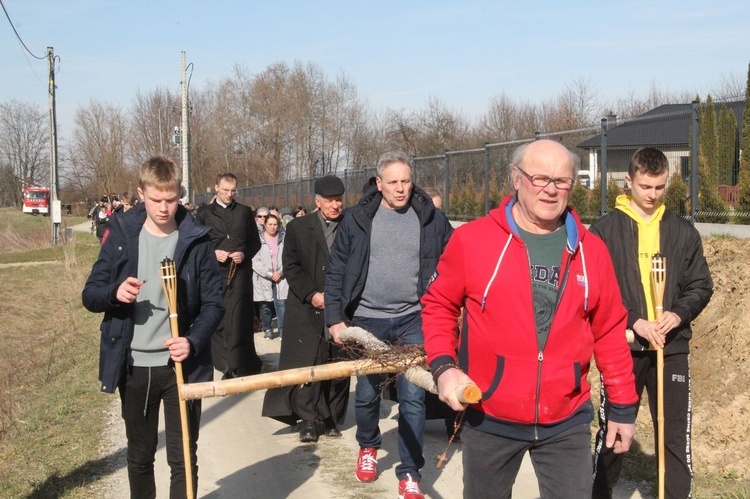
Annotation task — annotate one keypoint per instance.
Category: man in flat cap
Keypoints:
(321, 406)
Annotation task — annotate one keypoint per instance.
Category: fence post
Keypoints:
(694, 202)
(346, 185)
(603, 170)
(447, 184)
(486, 179)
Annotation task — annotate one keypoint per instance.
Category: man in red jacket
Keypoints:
(540, 297)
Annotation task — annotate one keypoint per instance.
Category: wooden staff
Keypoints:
(658, 282)
(169, 283)
(409, 364)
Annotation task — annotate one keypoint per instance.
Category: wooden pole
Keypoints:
(408, 363)
(169, 283)
(289, 377)
(658, 281)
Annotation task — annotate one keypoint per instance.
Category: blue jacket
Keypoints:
(199, 294)
(350, 255)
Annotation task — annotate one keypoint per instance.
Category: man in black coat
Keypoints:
(321, 405)
(235, 241)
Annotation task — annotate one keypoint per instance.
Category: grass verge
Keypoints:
(50, 407)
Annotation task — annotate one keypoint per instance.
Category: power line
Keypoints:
(17, 35)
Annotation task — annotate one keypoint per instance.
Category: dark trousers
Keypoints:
(562, 463)
(678, 477)
(141, 393)
(403, 330)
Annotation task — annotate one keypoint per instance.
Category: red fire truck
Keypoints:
(36, 200)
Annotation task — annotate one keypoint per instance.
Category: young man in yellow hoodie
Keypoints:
(634, 232)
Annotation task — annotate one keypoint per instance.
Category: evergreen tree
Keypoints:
(466, 203)
(711, 205)
(726, 157)
(579, 201)
(595, 198)
(709, 139)
(496, 194)
(743, 205)
(676, 195)
(613, 190)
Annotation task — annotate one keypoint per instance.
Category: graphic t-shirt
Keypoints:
(545, 254)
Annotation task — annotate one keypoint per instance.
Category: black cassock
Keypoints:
(232, 346)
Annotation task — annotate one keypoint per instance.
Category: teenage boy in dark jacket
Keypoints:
(137, 351)
(638, 228)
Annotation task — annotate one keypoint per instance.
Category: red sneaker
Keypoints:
(409, 489)
(366, 464)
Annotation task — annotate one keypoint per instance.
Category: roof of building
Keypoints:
(666, 125)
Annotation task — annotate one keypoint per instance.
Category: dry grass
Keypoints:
(50, 408)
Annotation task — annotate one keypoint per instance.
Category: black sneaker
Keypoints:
(268, 334)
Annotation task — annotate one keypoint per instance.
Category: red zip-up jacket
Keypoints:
(528, 393)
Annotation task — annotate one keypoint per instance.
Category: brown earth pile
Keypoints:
(720, 364)
(720, 370)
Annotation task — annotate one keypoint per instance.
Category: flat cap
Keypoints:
(330, 185)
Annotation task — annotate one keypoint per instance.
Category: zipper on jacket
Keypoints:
(540, 358)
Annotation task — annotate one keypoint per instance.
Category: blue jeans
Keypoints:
(267, 309)
(403, 330)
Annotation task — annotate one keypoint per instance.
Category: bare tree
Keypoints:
(730, 87)
(508, 120)
(153, 117)
(24, 149)
(98, 150)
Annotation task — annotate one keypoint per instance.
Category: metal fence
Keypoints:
(474, 181)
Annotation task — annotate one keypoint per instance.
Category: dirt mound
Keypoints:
(720, 364)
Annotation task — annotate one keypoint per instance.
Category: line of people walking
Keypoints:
(517, 302)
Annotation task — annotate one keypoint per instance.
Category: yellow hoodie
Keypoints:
(648, 245)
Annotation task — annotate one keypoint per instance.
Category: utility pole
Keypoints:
(55, 209)
(185, 133)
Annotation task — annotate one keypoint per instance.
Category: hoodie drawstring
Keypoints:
(585, 280)
(148, 392)
(497, 267)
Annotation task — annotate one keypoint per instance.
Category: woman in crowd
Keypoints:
(101, 219)
(269, 286)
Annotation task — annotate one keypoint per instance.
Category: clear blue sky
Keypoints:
(398, 53)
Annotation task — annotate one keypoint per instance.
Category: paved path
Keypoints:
(244, 455)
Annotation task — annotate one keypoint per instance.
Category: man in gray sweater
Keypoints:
(383, 257)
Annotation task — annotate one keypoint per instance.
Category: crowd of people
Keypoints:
(517, 302)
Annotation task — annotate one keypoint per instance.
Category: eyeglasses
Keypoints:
(262, 216)
(562, 183)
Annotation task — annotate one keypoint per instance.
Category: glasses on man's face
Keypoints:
(262, 216)
(563, 183)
